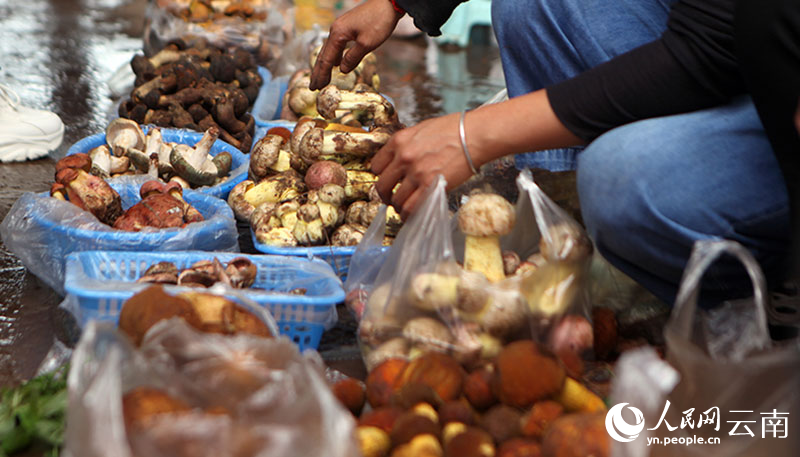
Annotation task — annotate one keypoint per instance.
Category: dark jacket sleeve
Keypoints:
(429, 15)
(692, 66)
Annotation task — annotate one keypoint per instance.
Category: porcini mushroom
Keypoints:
(484, 218)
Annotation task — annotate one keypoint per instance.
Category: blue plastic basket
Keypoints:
(269, 103)
(239, 161)
(103, 280)
(338, 257)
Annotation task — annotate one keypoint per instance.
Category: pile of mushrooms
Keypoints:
(300, 101)
(129, 151)
(196, 88)
(239, 273)
(471, 310)
(312, 186)
(208, 10)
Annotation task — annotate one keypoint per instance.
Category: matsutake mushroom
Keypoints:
(104, 164)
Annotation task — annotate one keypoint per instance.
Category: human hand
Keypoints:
(414, 157)
(367, 25)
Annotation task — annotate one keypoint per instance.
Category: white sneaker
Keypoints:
(26, 133)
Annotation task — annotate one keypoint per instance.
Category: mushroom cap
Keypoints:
(328, 101)
(80, 160)
(150, 187)
(125, 133)
(486, 215)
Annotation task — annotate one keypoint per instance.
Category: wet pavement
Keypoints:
(58, 55)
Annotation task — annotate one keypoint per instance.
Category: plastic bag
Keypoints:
(422, 299)
(250, 396)
(732, 377)
(42, 231)
(263, 34)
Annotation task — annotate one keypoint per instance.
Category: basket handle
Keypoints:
(704, 253)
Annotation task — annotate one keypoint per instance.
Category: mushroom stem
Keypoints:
(331, 99)
(320, 144)
(483, 253)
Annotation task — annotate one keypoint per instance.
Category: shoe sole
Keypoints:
(29, 148)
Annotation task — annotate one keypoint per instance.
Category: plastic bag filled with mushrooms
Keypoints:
(467, 283)
(42, 230)
(186, 393)
(259, 26)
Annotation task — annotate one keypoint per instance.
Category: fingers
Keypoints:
(329, 56)
(410, 205)
(352, 57)
(386, 182)
(399, 197)
(383, 157)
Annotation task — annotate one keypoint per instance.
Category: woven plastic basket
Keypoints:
(239, 161)
(102, 281)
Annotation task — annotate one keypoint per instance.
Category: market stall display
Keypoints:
(42, 230)
(519, 403)
(301, 294)
(194, 160)
(456, 284)
(261, 27)
(310, 189)
(196, 86)
(189, 386)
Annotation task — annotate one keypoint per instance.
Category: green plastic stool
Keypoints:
(468, 14)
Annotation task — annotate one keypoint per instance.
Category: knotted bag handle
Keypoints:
(704, 253)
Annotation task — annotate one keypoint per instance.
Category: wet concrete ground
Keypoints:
(58, 55)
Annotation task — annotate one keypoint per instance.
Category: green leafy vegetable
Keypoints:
(34, 414)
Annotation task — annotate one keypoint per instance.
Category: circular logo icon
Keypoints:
(619, 429)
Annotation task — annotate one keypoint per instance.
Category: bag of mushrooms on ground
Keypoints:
(467, 284)
(208, 382)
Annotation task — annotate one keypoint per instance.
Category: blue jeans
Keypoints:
(650, 189)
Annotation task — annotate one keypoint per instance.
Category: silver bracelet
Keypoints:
(464, 143)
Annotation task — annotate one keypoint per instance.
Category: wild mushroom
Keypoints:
(104, 164)
(264, 219)
(318, 144)
(484, 218)
(301, 99)
(359, 184)
(281, 236)
(195, 164)
(123, 134)
(428, 334)
(304, 124)
(367, 71)
(331, 99)
(144, 67)
(160, 273)
(242, 209)
(287, 212)
(277, 188)
(91, 193)
(191, 214)
(268, 157)
(433, 291)
(331, 198)
(348, 235)
(242, 272)
(309, 229)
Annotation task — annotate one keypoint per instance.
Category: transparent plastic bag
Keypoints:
(730, 371)
(42, 231)
(418, 297)
(263, 34)
(249, 396)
